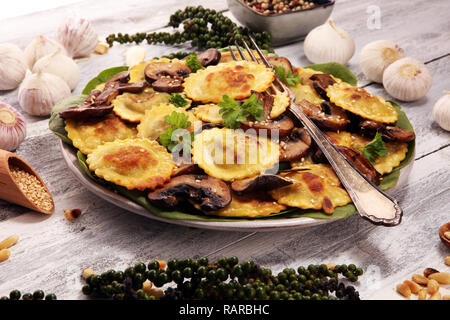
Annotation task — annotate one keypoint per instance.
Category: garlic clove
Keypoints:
(39, 92)
(134, 56)
(60, 65)
(441, 111)
(78, 37)
(40, 47)
(407, 79)
(328, 43)
(13, 66)
(376, 56)
(12, 127)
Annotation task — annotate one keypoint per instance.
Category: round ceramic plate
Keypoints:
(70, 157)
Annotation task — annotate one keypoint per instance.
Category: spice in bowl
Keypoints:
(33, 188)
(267, 7)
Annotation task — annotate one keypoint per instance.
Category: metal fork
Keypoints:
(371, 202)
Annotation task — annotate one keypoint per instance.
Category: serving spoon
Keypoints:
(370, 201)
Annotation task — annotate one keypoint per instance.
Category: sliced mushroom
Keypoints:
(361, 163)
(186, 168)
(122, 77)
(282, 124)
(296, 145)
(390, 133)
(209, 57)
(156, 70)
(280, 62)
(168, 84)
(85, 112)
(328, 116)
(320, 82)
(209, 192)
(263, 182)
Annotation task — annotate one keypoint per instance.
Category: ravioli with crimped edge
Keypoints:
(132, 163)
(235, 78)
(86, 135)
(153, 124)
(208, 113)
(281, 102)
(362, 103)
(132, 106)
(232, 154)
(251, 206)
(315, 186)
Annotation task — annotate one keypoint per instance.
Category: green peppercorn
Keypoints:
(302, 278)
(130, 272)
(232, 261)
(139, 279)
(282, 276)
(50, 296)
(140, 267)
(141, 295)
(119, 276)
(243, 280)
(359, 272)
(342, 268)
(151, 274)
(177, 276)
(201, 271)
(161, 279)
(38, 295)
(275, 295)
(284, 295)
(280, 287)
(211, 275)
(187, 272)
(237, 271)
(15, 295)
(203, 261)
(4, 298)
(154, 265)
(199, 293)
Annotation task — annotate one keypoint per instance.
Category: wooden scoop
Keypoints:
(9, 190)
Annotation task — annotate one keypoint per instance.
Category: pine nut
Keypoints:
(432, 286)
(87, 272)
(331, 266)
(162, 264)
(147, 286)
(4, 254)
(422, 294)
(404, 290)
(414, 287)
(9, 242)
(441, 277)
(156, 293)
(429, 271)
(435, 296)
(420, 279)
(447, 260)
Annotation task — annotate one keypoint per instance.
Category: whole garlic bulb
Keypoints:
(39, 92)
(12, 66)
(441, 111)
(12, 127)
(40, 47)
(376, 56)
(77, 36)
(407, 79)
(134, 55)
(328, 43)
(60, 65)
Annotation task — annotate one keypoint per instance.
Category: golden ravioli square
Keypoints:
(235, 79)
(86, 135)
(132, 163)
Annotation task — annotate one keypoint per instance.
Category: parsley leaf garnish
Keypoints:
(178, 100)
(289, 78)
(233, 113)
(375, 148)
(176, 132)
(193, 63)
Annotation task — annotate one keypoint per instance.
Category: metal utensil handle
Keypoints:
(371, 202)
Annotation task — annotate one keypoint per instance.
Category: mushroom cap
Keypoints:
(390, 133)
(209, 57)
(209, 192)
(361, 163)
(296, 145)
(263, 182)
(328, 116)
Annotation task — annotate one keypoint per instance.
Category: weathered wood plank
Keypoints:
(386, 254)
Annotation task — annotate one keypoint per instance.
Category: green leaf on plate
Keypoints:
(337, 70)
(101, 78)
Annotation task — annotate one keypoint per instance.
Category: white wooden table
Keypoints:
(52, 251)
